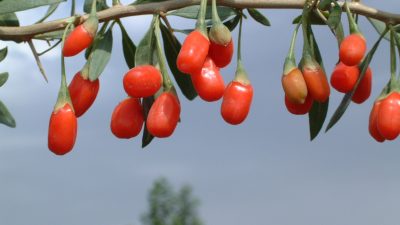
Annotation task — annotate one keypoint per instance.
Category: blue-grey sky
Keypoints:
(265, 171)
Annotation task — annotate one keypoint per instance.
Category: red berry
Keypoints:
(78, 40)
(236, 102)
(352, 49)
(363, 90)
(62, 130)
(208, 82)
(344, 77)
(299, 109)
(388, 118)
(193, 52)
(127, 118)
(83, 92)
(373, 117)
(164, 115)
(220, 54)
(317, 84)
(295, 86)
(142, 81)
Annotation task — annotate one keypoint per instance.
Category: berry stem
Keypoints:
(167, 83)
(215, 16)
(201, 23)
(240, 74)
(393, 82)
(63, 93)
(290, 61)
(352, 23)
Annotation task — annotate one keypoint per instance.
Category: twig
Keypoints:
(25, 33)
(36, 55)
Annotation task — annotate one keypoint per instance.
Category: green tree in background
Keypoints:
(168, 207)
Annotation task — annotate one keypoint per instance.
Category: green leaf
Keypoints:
(379, 27)
(171, 50)
(3, 53)
(318, 112)
(258, 16)
(347, 98)
(138, 2)
(191, 12)
(144, 51)
(231, 24)
(3, 78)
(128, 47)
(334, 17)
(5, 116)
(101, 5)
(52, 8)
(147, 137)
(9, 20)
(100, 54)
(314, 19)
(9, 6)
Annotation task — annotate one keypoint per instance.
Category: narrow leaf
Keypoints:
(347, 98)
(101, 54)
(101, 5)
(128, 46)
(52, 8)
(231, 24)
(379, 27)
(144, 51)
(3, 53)
(258, 16)
(147, 137)
(318, 112)
(191, 12)
(3, 78)
(325, 4)
(314, 19)
(171, 50)
(9, 20)
(9, 6)
(5, 116)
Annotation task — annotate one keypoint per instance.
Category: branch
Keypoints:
(26, 33)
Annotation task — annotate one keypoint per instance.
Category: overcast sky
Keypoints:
(265, 171)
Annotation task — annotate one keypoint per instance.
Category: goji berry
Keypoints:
(352, 49)
(127, 118)
(236, 102)
(193, 52)
(142, 81)
(83, 92)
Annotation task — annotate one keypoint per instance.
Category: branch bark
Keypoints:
(26, 33)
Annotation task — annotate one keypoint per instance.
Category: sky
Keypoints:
(264, 171)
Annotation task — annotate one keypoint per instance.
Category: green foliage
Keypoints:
(10, 6)
(168, 207)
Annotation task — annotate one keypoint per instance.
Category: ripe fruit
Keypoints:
(299, 109)
(373, 117)
(142, 81)
(344, 77)
(164, 115)
(363, 90)
(352, 49)
(127, 118)
(81, 37)
(316, 81)
(220, 54)
(83, 92)
(193, 52)
(208, 82)
(236, 102)
(62, 130)
(295, 86)
(388, 121)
